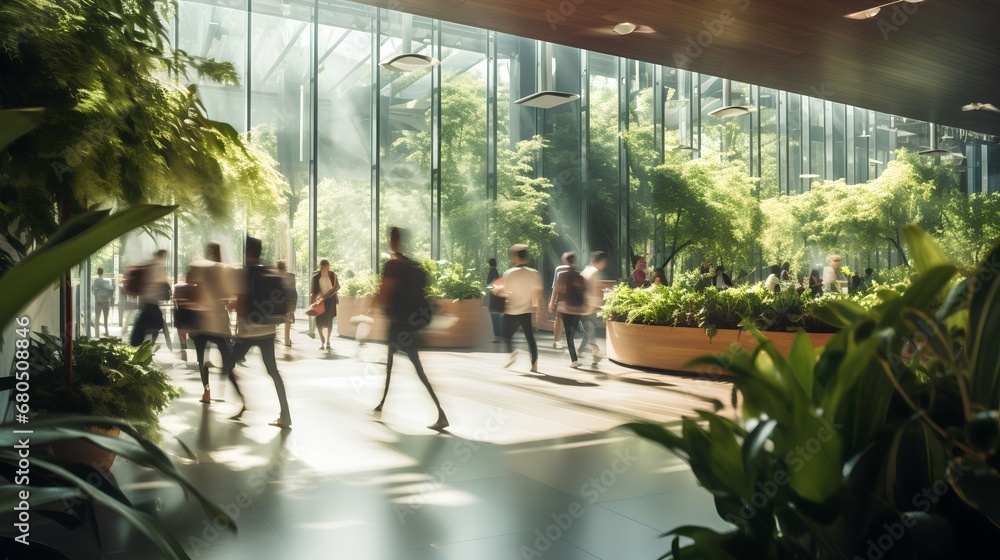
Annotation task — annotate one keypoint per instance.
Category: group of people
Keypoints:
(203, 302)
(212, 289)
(575, 299)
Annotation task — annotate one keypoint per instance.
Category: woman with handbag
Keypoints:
(323, 288)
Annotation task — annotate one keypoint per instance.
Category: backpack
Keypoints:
(186, 316)
(409, 303)
(576, 287)
(269, 298)
(135, 279)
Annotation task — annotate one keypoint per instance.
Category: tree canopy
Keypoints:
(118, 129)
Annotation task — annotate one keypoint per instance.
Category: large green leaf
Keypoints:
(978, 484)
(17, 122)
(57, 427)
(925, 253)
(146, 523)
(984, 324)
(801, 360)
(859, 360)
(45, 265)
(840, 313)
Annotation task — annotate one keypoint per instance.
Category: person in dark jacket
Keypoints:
(496, 303)
(722, 280)
(324, 286)
(401, 297)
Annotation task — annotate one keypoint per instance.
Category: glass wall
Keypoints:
(447, 153)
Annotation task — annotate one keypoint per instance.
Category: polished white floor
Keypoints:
(531, 467)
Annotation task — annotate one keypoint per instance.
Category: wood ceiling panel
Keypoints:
(925, 64)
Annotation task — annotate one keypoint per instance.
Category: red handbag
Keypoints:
(317, 308)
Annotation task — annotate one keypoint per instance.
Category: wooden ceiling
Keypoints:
(921, 61)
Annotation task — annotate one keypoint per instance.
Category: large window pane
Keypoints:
(405, 135)
(464, 206)
(343, 196)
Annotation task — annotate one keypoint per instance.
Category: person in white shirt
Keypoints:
(568, 260)
(595, 299)
(773, 283)
(522, 286)
(831, 274)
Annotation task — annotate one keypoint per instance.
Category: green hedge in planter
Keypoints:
(449, 280)
(363, 285)
(444, 279)
(713, 309)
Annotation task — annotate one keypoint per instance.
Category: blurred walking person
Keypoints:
(202, 311)
(104, 297)
(282, 266)
(495, 302)
(257, 314)
(149, 282)
(401, 296)
(594, 301)
(324, 287)
(571, 299)
(568, 258)
(522, 286)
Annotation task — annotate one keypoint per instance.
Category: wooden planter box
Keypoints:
(351, 306)
(670, 348)
(455, 324)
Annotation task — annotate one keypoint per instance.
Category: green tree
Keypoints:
(114, 132)
(708, 206)
(971, 225)
(907, 192)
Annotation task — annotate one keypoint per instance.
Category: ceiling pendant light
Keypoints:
(935, 151)
(547, 98)
(727, 109)
(408, 62)
(872, 12)
(624, 28)
(980, 107)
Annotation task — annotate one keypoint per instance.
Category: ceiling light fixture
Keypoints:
(408, 62)
(809, 176)
(980, 107)
(935, 151)
(874, 162)
(728, 109)
(624, 28)
(547, 99)
(872, 12)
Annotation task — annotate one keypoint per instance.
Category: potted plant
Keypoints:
(458, 304)
(356, 295)
(887, 439)
(665, 327)
(111, 379)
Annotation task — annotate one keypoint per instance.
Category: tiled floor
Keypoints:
(532, 466)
